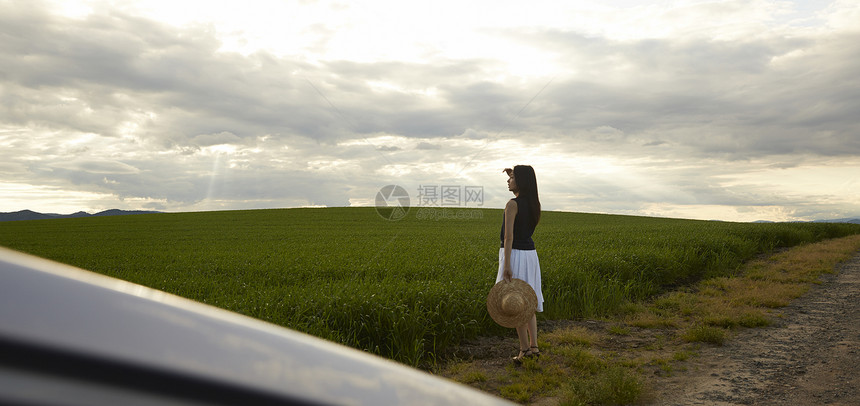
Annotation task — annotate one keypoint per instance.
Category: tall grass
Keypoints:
(406, 290)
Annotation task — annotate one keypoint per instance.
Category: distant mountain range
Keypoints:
(845, 220)
(850, 220)
(32, 215)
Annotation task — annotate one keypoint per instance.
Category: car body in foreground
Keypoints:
(73, 337)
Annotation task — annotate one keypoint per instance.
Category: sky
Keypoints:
(713, 110)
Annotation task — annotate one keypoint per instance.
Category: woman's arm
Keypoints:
(510, 215)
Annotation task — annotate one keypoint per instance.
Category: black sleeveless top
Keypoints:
(523, 227)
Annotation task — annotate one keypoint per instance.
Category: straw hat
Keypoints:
(512, 304)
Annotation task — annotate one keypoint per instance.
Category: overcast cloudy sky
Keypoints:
(730, 110)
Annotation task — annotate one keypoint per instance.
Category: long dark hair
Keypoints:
(524, 175)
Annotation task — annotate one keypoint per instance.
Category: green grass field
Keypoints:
(404, 289)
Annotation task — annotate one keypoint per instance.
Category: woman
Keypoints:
(517, 256)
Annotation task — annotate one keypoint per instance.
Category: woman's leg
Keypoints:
(527, 333)
(532, 334)
(523, 334)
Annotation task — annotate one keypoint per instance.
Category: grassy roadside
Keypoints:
(617, 359)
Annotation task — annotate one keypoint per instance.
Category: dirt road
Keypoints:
(811, 356)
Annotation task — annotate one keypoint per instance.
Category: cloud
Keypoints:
(115, 103)
(224, 137)
(101, 167)
(427, 146)
(764, 96)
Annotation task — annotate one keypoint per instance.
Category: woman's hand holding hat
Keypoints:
(512, 304)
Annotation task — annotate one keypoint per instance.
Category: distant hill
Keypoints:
(848, 220)
(32, 215)
(845, 220)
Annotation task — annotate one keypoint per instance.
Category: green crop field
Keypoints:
(404, 289)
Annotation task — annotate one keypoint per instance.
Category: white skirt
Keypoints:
(525, 266)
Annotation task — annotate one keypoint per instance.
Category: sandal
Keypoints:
(521, 356)
(527, 353)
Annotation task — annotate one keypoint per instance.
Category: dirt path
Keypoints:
(810, 357)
